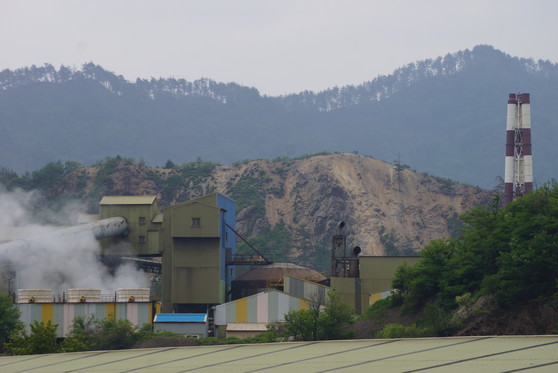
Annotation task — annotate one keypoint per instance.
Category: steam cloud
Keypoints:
(45, 260)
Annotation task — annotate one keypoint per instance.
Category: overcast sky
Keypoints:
(276, 46)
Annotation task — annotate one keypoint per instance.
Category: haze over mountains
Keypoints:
(444, 116)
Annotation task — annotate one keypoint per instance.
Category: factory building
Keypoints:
(375, 276)
(41, 305)
(191, 325)
(249, 316)
(144, 221)
(197, 240)
(196, 243)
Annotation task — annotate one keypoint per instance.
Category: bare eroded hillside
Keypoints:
(388, 209)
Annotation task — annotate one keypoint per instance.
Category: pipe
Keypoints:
(111, 227)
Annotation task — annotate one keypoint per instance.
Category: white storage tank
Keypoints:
(34, 296)
(132, 295)
(83, 295)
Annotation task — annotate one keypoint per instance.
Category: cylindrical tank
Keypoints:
(111, 227)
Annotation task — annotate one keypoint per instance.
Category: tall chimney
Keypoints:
(510, 147)
(518, 175)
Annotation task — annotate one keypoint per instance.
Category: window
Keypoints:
(141, 239)
(142, 219)
(196, 222)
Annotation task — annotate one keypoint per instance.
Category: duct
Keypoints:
(111, 227)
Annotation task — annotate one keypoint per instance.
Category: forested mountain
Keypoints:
(445, 116)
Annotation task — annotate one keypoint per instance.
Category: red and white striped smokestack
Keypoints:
(524, 101)
(510, 148)
(518, 176)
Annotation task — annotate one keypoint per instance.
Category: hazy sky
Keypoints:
(276, 46)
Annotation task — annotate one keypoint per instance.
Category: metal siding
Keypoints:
(374, 286)
(230, 311)
(99, 310)
(47, 312)
(195, 262)
(263, 308)
(315, 293)
(222, 291)
(182, 220)
(120, 310)
(110, 310)
(345, 287)
(283, 305)
(252, 309)
(187, 286)
(228, 237)
(293, 304)
(220, 315)
(241, 310)
(272, 307)
(132, 313)
(25, 314)
(63, 314)
(58, 318)
(196, 252)
(383, 267)
(153, 242)
(36, 312)
(68, 315)
(183, 328)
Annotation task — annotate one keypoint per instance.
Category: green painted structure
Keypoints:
(144, 222)
(196, 242)
(375, 275)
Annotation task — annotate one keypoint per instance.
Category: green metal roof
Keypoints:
(127, 200)
(455, 354)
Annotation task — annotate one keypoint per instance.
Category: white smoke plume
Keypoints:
(43, 259)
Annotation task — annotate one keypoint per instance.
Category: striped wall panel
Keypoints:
(63, 314)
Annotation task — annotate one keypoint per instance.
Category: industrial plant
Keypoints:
(191, 248)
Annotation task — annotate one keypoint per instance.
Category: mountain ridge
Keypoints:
(444, 116)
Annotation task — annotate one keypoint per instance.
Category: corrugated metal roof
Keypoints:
(157, 218)
(127, 200)
(180, 317)
(457, 354)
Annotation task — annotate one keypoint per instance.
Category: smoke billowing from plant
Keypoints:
(44, 259)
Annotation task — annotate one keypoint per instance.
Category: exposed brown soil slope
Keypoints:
(385, 207)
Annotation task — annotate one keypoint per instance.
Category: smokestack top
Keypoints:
(524, 98)
(512, 99)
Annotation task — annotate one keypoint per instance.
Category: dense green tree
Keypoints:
(41, 340)
(510, 253)
(9, 318)
(334, 321)
(319, 322)
(108, 334)
(298, 324)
